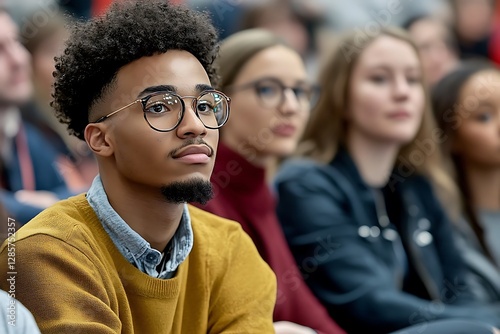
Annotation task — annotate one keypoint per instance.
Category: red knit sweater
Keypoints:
(241, 194)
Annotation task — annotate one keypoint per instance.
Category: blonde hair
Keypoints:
(236, 50)
(326, 131)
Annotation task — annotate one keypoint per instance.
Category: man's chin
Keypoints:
(194, 190)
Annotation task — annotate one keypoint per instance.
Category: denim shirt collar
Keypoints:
(131, 245)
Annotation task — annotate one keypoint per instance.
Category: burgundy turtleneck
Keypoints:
(242, 194)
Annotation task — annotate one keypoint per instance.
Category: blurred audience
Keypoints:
(270, 103)
(467, 107)
(436, 45)
(76, 160)
(30, 180)
(279, 17)
(362, 219)
(369, 16)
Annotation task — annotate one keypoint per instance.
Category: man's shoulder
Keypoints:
(60, 221)
(217, 235)
(210, 225)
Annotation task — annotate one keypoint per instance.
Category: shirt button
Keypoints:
(150, 257)
(374, 231)
(364, 231)
(424, 224)
(384, 221)
(390, 234)
(423, 238)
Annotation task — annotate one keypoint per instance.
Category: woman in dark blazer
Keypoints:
(362, 218)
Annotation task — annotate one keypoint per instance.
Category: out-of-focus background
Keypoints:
(444, 30)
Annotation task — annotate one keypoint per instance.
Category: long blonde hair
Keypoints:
(326, 130)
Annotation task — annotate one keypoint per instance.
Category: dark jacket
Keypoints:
(372, 276)
(483, 276)
(44, 159)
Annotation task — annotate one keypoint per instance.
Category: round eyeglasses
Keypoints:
(164, 111)
(271, 92)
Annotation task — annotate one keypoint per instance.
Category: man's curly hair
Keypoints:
(97, 49)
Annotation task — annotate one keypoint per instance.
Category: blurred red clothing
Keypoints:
(100, 6)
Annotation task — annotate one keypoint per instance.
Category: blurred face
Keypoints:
(386, 99)
(15, 84)
(474, 18)
(267, 120)
(283, 23)
(44, 64)
(141, 155)
(437, 57)
(477, 139)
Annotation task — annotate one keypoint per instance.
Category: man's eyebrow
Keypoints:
(202, 87)
(160, 88)
(169, 88)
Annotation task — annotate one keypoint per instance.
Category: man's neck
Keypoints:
(374, 160)
(484, 184)
(148, 214)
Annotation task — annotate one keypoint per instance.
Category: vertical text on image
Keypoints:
(11, 271)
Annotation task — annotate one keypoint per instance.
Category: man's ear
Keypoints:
(98, 139)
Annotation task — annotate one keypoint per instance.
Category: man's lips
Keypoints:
(193, 154)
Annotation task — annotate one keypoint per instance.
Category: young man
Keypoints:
(130, 256)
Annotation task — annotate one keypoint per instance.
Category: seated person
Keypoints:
(30, 179)
(131, 256)
(467, 109)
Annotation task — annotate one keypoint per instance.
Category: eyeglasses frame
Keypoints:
(195, 99)
(315, 89)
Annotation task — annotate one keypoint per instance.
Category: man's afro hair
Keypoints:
(130, 30)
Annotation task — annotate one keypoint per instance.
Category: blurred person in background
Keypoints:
(31, 180)
(76, 161)
(293, 21)
(473, 22)
(363, 219)
(271, 97)
(467, 107)
(279, 17)
(436, 46)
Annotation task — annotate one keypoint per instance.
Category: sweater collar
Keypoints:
(133, 246)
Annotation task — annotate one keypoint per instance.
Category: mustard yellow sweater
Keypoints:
(72, 278)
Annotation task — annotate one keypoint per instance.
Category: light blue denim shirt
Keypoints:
(132, 246)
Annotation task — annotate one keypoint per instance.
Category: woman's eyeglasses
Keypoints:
(271, 92)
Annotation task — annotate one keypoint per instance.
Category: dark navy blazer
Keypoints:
(352, 261)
